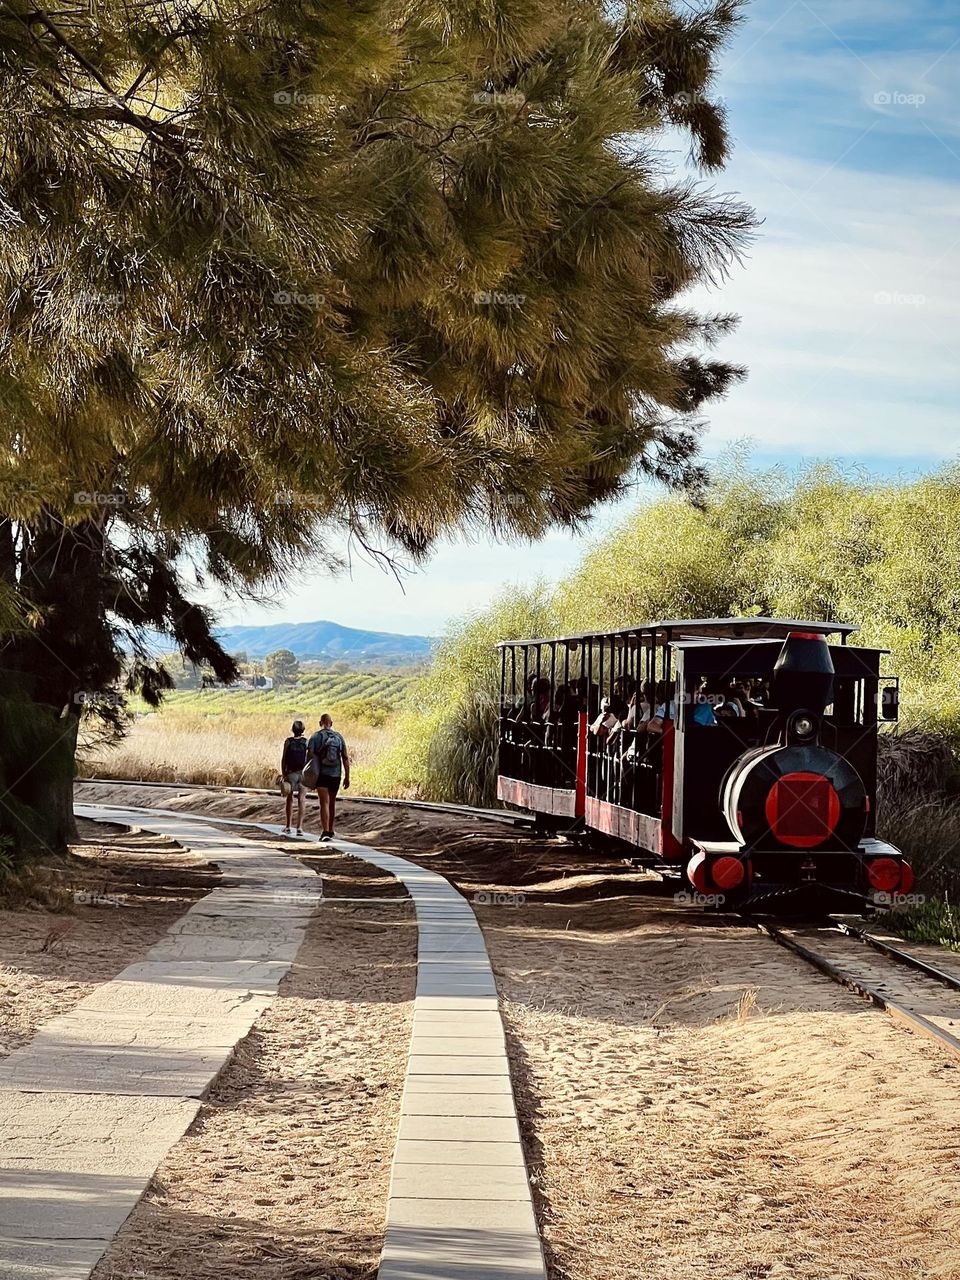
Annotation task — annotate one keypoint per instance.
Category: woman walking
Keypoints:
(291, 773)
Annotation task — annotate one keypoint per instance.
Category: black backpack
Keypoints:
(296, 754)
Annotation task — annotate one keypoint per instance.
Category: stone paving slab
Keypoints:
(460, 1182)
(49, 1259)
(168, 1072)
(490, 1046)
(423, 1065)
(512, 1217)
(199, 946)
(457, 1104)
(459, 1128)
(474, 1155)
(440, 985)
(175, 1001)
(225, 973)
(437, 1082)
(450, 945)
(433, 1265)
(479, 1004)
(457, 1022)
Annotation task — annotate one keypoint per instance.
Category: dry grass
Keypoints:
(914, 766)
(224, 748)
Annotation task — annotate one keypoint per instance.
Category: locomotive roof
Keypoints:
(674, 629)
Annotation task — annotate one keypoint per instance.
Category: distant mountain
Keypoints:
(326, 641)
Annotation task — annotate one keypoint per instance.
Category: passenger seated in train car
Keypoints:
(516, 710)
(539, 701)
(662, 710)
(624, 688)
(760, 692)
(705, 702)
(561, 699)
(751, 708)
(728, 705)
(606, 723)
(641, 708)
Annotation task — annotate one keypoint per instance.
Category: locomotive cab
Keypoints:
(797, 806)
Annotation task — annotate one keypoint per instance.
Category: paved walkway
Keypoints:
(90, 1107)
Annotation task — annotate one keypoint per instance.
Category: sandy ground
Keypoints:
(285, 1173)
(122, 893)
(695, 1101)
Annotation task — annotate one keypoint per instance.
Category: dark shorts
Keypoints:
(327, 783)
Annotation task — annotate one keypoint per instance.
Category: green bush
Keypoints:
(817, 544)
(444, 743)
(372, 711)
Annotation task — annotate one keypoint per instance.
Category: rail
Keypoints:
(891, 1005)
(488, 815)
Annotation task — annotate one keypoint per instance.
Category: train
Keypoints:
(623, 734)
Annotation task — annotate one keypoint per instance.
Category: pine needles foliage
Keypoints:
(278, 277)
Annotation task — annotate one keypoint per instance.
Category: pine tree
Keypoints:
(385, 270)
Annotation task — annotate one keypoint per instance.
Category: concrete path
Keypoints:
(460, 1206)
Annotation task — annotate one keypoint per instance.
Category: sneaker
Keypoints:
(326, 837)
(286, 831)
(299, 831)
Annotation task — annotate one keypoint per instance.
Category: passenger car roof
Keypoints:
(674, 629)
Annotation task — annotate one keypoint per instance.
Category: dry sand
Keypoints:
(123, 891)
(695, 1101)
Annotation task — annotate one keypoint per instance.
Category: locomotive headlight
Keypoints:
(803, 726)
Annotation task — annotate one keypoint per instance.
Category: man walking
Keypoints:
(332, 759)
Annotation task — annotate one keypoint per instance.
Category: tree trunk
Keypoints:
(57, 667)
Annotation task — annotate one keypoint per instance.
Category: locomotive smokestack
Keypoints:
(803, 674)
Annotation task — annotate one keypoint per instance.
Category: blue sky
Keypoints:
(846, 127)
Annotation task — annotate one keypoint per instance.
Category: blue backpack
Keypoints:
(328, 751)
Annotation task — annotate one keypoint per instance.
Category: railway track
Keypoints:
(464, 810)
(911, 989)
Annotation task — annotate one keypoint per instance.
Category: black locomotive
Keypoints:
(624, 733)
